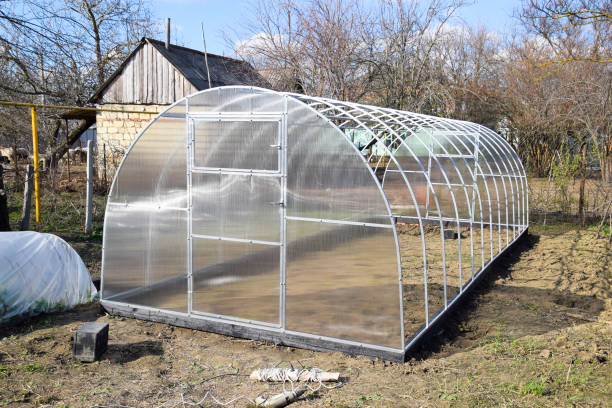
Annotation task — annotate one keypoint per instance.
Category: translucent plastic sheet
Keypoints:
(326, 177)
(342, 282)
(236, 279)
(145, 235)
(40, 273)
(248, 145)
(290, 201)
(224, 206)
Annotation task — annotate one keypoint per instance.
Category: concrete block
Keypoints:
(450, 234)
(90, 341)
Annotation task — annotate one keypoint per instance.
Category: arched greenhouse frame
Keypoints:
(307, 221)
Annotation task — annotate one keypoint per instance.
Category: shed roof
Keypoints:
(191, 64)
(223, 70)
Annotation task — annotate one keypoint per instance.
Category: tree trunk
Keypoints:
(27, 199)
(52, 141)
(582, 181)
(4, 217)
(71, 138)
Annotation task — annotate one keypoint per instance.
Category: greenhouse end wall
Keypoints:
(306, 221)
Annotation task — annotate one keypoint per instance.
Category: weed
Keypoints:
(4, 370)
(197, 368)
(32, 368)
(371, 397)
(448, 397)
(48, 321)
(6, 403)
(536, 388)
(508, 387)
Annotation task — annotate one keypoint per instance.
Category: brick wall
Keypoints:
(117, 130)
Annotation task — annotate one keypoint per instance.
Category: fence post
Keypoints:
(4, 217)
(27, 199)
(104, 161)
(88, 213)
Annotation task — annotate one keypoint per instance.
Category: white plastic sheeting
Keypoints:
(40, 273)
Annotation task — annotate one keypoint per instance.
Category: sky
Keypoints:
(228, 16)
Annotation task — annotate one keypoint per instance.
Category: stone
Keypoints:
(546, 353)
(90, 341)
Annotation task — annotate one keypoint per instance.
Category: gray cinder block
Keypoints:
(450, 234)
(90, 341)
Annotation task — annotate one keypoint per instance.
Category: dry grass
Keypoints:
(537, 333)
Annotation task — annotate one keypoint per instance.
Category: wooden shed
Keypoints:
(153, 77)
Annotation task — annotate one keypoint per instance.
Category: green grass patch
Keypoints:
(539, 387)
(32, 368)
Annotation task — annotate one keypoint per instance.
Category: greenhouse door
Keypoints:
(236, 229)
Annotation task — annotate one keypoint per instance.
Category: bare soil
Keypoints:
(537, 332)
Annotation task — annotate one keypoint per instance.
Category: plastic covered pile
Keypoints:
(40, 273)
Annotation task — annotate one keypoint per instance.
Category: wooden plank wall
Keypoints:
(147, 78)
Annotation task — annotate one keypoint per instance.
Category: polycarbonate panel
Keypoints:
(126, 233)
(166, 276)
(164, 249)
(326, 177)
(342, 281)
(153, 171)
(398, 194)
(458, 170)
(236, 206)
(236, 100)
(236, 279)
(246, 144)
(143, 211)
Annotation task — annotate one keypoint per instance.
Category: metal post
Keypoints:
(88, 213)
(36, 175)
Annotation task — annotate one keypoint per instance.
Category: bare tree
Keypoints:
(388, 54)
(314, 47)
(578, 30)
(578, 34)
(59, 52)
(410, 61)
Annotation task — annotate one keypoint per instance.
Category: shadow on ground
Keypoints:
(124, 353)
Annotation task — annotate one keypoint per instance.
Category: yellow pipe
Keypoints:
(37, 105)
(35, 148)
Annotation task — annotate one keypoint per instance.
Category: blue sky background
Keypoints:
(227, 15)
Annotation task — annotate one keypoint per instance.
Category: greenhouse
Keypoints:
(307, 221)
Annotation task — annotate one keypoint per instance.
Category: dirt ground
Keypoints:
(537, 332)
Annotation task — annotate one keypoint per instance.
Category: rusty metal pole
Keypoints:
(36, 175)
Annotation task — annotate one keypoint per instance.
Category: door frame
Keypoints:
(280, 172)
